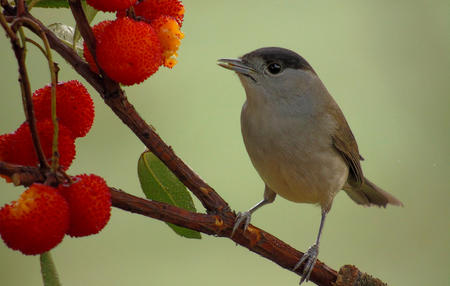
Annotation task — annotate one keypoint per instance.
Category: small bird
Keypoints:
(298, 139)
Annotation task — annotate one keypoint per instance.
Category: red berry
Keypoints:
(36, 222)
(98, 32)
(170, 36)
(89, 201)
(110, 5)
(18, 148)
(129, 51)
(153, 9)
(74, 106)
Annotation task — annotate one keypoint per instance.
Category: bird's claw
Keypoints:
(309, 258)
(241, 217)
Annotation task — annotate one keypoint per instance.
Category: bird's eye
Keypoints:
(274, 68)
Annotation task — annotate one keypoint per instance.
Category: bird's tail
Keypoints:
(370, 194)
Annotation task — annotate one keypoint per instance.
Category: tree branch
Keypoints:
(254, 239)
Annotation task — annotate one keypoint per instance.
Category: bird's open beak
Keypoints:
(238, 66)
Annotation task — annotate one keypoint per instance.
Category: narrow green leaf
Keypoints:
(160, 184)
(50, 3)
(90, 13)
(48, 270)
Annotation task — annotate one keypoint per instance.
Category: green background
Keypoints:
(387, 63)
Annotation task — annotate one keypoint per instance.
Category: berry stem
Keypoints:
(48, 270)
(36, 44)
(53, 76)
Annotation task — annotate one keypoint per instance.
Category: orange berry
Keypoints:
(111, 5)
(89, 201)
(98, 31)
(129, 51)
(18, 148)
(36, 222)
(170, 36)
(74, 106)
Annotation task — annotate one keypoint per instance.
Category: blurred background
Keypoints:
(387, 63)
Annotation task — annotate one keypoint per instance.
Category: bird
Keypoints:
(298, 139)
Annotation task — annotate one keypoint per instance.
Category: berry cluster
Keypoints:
(75, 112)
(132, 48)
(40, 218)
(145, 35)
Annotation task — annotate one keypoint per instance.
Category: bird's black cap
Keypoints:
(287, 58)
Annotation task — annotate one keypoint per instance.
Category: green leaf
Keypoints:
(49, 3)
(90, 13)
(48, 270)
(160, 184)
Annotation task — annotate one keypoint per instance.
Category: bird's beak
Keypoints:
(237, 65)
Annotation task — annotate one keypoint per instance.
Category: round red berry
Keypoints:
(36, 222)
(129, 51)
(89, 201)
(18, 147)
(74, 106)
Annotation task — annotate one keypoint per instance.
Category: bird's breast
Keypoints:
(293, 153)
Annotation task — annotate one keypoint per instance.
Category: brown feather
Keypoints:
(345, 144)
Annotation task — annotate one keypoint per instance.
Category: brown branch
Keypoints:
(21, 175)
(350, 275)
(255, 239)
(87, 34)
(20, 7)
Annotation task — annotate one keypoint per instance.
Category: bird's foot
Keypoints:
(245, 218)
(309, 258)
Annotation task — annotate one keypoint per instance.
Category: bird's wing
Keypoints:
(345, 144)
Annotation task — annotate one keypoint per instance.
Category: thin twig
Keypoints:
(37, 45)
(8, 29)
(23, 42)
(53, 76)
(21, 175)
(20, 7)
(86, 32)
(26, 90)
